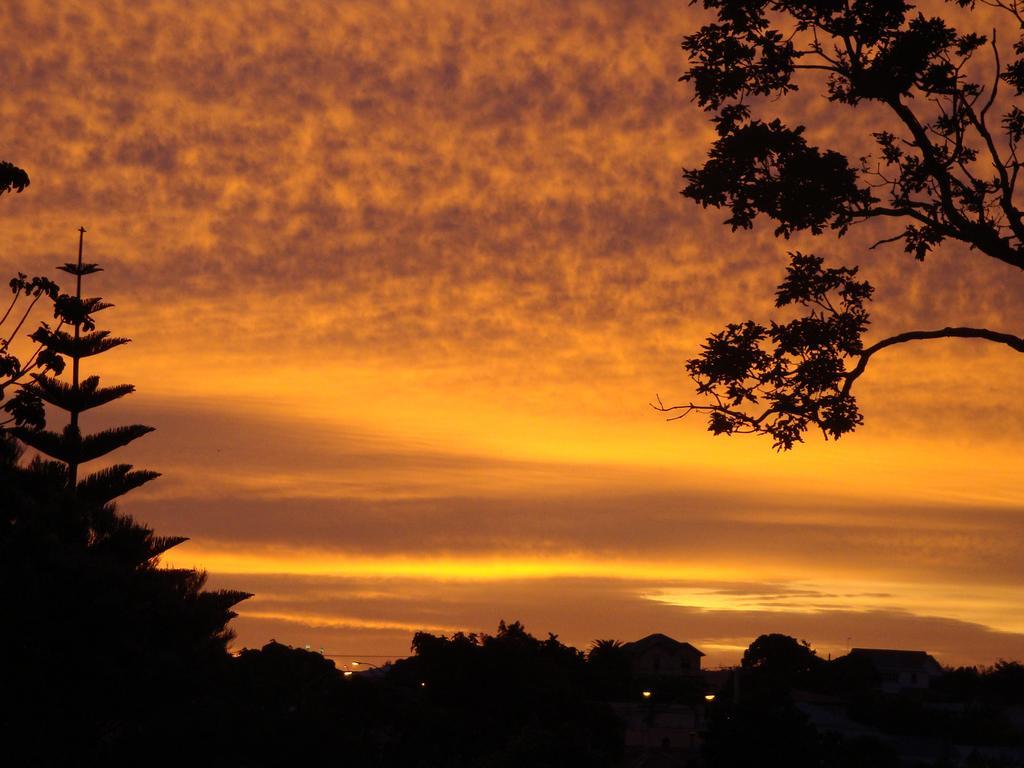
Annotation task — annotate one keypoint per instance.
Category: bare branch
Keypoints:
(7, 341)
(1013, 342)
(14, 301)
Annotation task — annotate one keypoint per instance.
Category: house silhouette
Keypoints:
(899, 670)
(660, 654)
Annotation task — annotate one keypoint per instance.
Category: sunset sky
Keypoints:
(402, 280)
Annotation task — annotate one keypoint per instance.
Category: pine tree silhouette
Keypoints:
(70, 447)
(104, 642)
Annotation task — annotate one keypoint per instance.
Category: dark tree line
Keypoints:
(946, 169)
(758, 713)
(103, 652)
(109, 658)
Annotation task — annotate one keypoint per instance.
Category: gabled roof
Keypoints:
(656, 640)
(886, 658)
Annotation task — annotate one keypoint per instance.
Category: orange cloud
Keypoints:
(403, 279)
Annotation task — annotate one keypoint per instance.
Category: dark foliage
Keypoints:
(781, 680)
(794, 371)
(464, 701)
(20, 404)
(608, 671)
(874, 50)
(757, 716)
(106, 653)
(945, 168)
(781, 657)
(764, 168)
(12, 178)
(511, 699)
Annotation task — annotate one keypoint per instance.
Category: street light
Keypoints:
(709, 697)
(646, 694)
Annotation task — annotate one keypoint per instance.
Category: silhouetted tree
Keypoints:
(12, 178)
(1002, 684)
(608, 670)
(756, 720)
(99, 638)
(510, 699)
(946, 168)
(21, 406)
(782, 658)
(70, 448)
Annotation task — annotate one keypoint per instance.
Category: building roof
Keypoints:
(656, 640)
(885, 658)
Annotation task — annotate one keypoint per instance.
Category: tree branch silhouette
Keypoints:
(887, 63)
(799, 374)
(941, 171)
(1013, 342)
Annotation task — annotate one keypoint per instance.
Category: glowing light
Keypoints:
(280, 560)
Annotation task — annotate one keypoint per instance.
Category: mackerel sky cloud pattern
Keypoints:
(437, 267)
